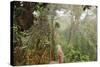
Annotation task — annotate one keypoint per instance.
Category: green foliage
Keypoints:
(78, 40)
(18, 32)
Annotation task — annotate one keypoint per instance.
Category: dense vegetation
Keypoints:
(39, 27)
